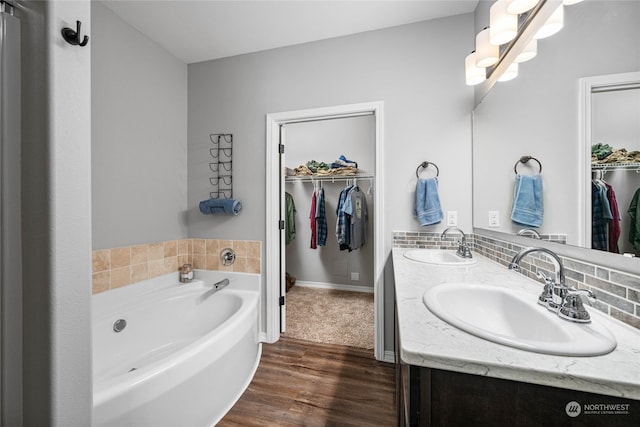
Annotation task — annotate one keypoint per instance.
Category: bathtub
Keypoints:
(185, 356)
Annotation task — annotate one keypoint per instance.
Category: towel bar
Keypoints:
(425, 165)
(525, 159)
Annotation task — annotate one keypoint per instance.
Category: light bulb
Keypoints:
(529, 52)
(503, 27)
(516, 7)
(510, 73)
(553, 24)
(486, 53)
(473, 75)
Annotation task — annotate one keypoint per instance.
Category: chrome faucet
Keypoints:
(529, 232)
(221, 284)
(464, 250)
(556, 295)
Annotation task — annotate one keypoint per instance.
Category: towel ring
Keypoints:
(525, 159)
(426, 165)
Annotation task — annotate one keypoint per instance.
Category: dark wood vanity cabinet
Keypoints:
(440, 398)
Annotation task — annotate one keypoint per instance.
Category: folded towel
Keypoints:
(528, 206)
(220, 207)
(428, 207)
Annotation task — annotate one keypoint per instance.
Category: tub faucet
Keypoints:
(556, 295)
(221, 284)
(464, 250)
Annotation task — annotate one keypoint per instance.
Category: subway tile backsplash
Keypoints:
(117, 267)
(618, 293)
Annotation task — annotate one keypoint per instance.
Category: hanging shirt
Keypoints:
(321, 219)
(634, 213)
(289, 219)
(600, 216)
(342, 228)
(312, 221)
(614, 225)
(356, 207)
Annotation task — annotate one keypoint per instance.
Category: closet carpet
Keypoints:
(330, 316)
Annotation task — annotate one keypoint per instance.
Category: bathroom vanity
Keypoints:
(448, 377)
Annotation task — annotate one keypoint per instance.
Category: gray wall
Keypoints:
(417, 70)
(325, 141)
(56, 215)
(139, 136)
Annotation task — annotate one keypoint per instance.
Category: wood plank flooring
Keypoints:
(301, 383)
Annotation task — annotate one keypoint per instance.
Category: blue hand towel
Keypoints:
(428, 207)
(528, 206)
(220, 207)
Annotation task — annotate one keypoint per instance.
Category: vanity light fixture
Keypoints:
(503, 26)
(553, 24)
(500, 47)
(473, 75)
(487, 54)
(510, 73)
(529, 52)
(516, 7)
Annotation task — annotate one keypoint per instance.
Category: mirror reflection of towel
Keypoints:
(528, 206)
(428, 207)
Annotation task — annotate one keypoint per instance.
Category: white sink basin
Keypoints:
(438, 256)
(514, 318)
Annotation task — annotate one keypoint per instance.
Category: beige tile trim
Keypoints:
(117, 267)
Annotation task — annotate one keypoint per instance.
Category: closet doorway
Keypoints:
(304, 134)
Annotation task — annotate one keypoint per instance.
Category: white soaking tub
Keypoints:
(185, 355)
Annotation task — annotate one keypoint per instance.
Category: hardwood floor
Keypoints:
(300, 383)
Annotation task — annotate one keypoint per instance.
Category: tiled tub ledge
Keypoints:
(117, 267)
(427, 341)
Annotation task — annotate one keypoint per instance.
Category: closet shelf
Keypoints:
(325, 178)
(615, 166)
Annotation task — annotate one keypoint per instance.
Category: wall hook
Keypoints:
(73, 36)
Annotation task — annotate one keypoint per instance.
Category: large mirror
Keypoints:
(541, 114)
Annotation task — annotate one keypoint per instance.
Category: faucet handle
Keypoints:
(572, 307)
(540, 274)
(546, 297)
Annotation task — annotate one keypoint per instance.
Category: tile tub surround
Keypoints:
(618, 293)
(117, 267)
(427, 341)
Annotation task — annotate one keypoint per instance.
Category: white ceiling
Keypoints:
(195, 31)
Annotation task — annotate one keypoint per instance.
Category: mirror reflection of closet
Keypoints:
(615, 125)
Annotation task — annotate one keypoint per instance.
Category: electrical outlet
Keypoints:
(452, 218)
(494, 218)
(355, 277)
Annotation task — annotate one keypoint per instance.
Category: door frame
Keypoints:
(274, 178)
(587, 86)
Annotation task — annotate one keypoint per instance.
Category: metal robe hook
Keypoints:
(72, 36)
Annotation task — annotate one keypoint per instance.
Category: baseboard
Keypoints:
(320, 285)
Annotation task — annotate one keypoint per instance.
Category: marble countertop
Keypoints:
(427, 341)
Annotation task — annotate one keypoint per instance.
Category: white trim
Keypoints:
(389, 357)
(587, 85)
(335, 286)
(272, 326)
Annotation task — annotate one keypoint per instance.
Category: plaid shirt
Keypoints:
(321, 219)
(599, 218)
(342, 225)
